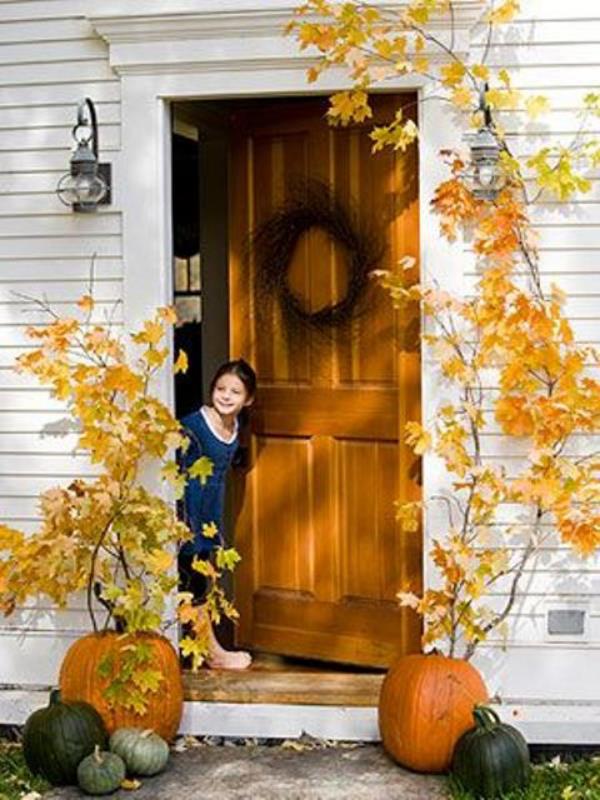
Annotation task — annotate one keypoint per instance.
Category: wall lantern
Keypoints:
(484, 175)
(87, 184)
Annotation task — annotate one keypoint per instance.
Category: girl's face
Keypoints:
(229, 395)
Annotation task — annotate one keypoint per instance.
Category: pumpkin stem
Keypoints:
(54, 696)
(97, 756)
(146, 733)
(486, 717)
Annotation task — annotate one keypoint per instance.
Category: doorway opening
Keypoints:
(313, 506)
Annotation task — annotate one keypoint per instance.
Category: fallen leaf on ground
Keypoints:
(130, 784)
(295, 744)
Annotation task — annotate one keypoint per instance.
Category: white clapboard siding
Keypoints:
(18, 320)
(553, 50)
(569, 282)
(32, 270)
(36, 398)
(57, 115)
(22, 506)
(553, 32)
(47, 444)
(43, 30)
(68, 91)
(69, 245)
(82, 225)
(68, 71)
(525, 54)
(64, 292)
(43, 9)
(63, 51)
(50, 59)
(32, 422)
(51, 138)
(561, 259)
(544, 672)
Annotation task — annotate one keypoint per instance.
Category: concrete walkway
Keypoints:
(258, 772)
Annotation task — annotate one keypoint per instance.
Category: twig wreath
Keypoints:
(312, 204)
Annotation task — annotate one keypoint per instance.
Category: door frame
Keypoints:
(231, 49)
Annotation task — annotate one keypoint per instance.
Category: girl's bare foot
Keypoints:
(219, 658)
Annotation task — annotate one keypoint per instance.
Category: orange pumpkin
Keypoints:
(425, 706)
(81, 680)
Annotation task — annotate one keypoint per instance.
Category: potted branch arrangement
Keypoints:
(108, 537)
(507, 356)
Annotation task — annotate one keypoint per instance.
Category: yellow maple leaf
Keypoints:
(503, 98)
(202, 469)
(159, 561)
(182, 363)
(480, 71)
(168, 314)
(514, 415)
(121, 378)
(537, 105)
(462, 97)
(203, 567)
(504, 77)
(421, 64)
(156, 357)
(86, 303)
(453, 73)
(210, 530)
(349, 106)
(152, 333)
(504, 13)
(417, 437)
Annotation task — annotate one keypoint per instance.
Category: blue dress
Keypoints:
(205, 503)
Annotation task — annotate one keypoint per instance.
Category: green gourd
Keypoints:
(492, 758)
(101, 772)
(143, 751)
(57, 737)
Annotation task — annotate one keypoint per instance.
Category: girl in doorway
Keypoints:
(213, 431)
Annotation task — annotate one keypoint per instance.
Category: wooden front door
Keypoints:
(322, 554)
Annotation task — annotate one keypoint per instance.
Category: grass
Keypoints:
(16, 781)
(556, 780)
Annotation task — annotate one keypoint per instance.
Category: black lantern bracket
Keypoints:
(88, 182)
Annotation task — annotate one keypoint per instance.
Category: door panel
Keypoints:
(322, 555)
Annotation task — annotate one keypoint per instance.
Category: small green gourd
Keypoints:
(101, 772)
(492, 758)
(143, 751)
(57, 737)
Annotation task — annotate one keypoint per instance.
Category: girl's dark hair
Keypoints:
(242, 370)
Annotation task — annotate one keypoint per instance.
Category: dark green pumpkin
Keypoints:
(492, 758)
(57, 737)
(101, 772)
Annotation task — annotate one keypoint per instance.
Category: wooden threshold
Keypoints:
(273, 679)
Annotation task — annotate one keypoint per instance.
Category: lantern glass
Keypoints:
(487, 174)
(484, 176)
(81, 190)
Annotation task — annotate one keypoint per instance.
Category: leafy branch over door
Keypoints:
(507, 354)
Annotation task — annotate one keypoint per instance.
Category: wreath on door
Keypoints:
(309, 205)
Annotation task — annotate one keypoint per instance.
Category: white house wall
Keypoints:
(49, 59)
(553, 50)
